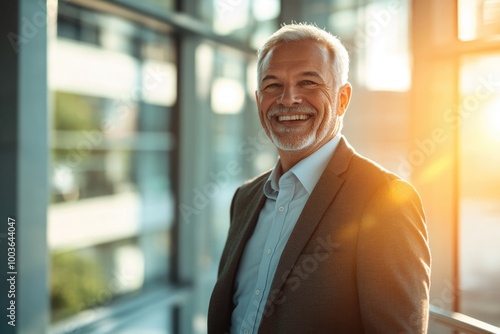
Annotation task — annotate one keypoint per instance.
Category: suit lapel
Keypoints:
(241, 229)
(325, 190)
(244, 227)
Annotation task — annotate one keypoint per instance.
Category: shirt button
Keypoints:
(269, 251)
(257, 292)
(281, 208)
(245, 331)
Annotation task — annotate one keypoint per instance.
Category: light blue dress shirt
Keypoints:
(286, 195)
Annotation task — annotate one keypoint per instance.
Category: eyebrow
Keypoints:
(269, 77)
(302, 74)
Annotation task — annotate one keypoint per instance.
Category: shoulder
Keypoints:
(359, 169)
(368, 172)
(380, 180)
(369, 181)
(352, 166)
(390, 203)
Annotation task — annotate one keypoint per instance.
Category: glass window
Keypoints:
(231, 16)
(383, 44)
(478, 19)
(113, 85)
(249, 21)
(478, 115)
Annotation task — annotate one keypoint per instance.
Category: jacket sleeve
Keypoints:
(393, 262)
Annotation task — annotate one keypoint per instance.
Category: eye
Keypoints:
(272, 85)
(308, 83)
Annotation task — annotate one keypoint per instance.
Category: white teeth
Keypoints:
(293, 118)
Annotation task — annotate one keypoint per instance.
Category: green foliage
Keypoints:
(77, 283)
(74, 112)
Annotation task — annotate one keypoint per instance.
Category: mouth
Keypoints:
(292, 118)
(288, 118)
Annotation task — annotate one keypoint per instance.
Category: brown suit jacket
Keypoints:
(357, 260)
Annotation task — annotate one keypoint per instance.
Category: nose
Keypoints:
(289, 96)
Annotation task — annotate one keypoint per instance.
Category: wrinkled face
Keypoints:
(300, 107)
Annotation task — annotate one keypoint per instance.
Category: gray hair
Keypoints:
(302, 32)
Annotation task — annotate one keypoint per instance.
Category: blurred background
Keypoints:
(127, 126)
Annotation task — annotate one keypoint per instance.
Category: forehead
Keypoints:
(298, 55)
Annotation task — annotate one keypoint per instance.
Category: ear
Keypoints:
(344, 97)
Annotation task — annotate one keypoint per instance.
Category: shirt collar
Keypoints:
(307, 171)
(271, 186)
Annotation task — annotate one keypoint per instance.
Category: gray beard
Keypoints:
(293, 145)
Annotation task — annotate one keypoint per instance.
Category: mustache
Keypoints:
(282, 109)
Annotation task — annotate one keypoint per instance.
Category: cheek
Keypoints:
(262, 117)
(264, 122)
(264, 104)
(325, 107)
(323, 98)
(327, 117)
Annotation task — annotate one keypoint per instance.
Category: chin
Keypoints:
(295, 145)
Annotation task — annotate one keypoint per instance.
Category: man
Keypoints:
(328, 241)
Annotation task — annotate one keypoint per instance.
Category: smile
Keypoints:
(285, 118)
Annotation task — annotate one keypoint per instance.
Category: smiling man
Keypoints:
(327, 241)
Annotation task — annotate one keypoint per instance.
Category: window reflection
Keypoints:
(114, 86)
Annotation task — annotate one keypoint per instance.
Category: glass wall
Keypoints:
(113, 85)
(479, 121)
(456, 161)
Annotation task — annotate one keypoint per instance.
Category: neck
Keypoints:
(288, 159)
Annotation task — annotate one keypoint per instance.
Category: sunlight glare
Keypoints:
(492, 120)
(467, 19)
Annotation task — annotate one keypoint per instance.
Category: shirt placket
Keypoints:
(264, 279)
